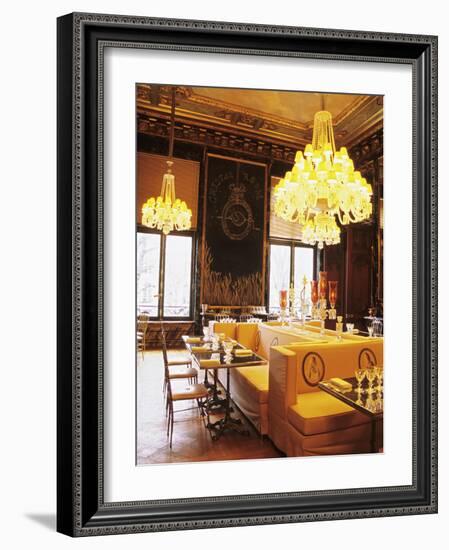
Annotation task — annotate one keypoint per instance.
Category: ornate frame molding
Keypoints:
(81, 507)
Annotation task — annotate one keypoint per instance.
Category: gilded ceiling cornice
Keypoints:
(214, 114)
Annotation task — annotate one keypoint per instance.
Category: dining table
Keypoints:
(209, 357)
(361, 398)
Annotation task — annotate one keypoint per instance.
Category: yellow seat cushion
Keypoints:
(183, 373)
(193, 391)
(255, 380)
(318, 412)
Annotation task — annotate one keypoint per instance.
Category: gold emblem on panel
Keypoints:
(237, 217)
(313, 368)
(367, 358)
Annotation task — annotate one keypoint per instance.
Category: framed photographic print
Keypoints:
(247, 291)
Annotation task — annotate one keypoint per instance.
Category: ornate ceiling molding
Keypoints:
(209, 120)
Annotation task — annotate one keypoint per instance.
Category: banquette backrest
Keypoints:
(273, 334)
(229, 329)
(298, 368)
(312, 326)
(334, 360)
(244, 333)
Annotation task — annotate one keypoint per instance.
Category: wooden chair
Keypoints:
(187, 373)
(142, 329)
(222, 317)
(197, 392)
(245, 317)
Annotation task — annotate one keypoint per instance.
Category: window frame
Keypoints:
(293, 244)
(161, 283)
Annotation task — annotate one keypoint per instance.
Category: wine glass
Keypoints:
(379, 375)
(359, 375)
(370, 376)
(215, 341)
(228, 346)
(377, 327)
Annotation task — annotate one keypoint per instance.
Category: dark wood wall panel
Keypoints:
(335, 265)
(359, 270)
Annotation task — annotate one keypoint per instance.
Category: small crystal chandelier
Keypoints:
(323, 187)
(166, 212)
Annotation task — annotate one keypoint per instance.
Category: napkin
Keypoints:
(341, 384)
(193, 340)
(208, 363)
(242, 352)
(197, 349)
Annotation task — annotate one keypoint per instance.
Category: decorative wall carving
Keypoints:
(215, 138)
(286, 117)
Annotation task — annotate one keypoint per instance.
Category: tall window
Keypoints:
(164, 266)
(178, 270)
(280, 267)
(148, 257)
(289, 263)
(303, 267)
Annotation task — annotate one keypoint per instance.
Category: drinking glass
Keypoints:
(350, 327)
(359, 375)
(370, 376)
(314, 297)
(322, 284)
(370, 331)
(228, 346)
(333, 290)
(379, 375)
(377, 327)
(206, 333)
(215, 341)
(370, 404)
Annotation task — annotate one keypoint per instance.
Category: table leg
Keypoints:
(215, 402)
(227, 422)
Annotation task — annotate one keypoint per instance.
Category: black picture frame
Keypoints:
(81, 510)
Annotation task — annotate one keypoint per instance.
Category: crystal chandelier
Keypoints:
(323, 187)
(166, 212)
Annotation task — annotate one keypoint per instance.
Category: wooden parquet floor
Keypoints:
(191, 440)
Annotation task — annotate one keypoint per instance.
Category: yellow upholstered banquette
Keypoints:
(249, 385)
(304, 420)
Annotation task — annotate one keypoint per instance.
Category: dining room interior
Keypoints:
(259, 274)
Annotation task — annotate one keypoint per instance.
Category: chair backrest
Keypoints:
(164, 349)
(142, 325)
(221, 317)
(245, 317)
